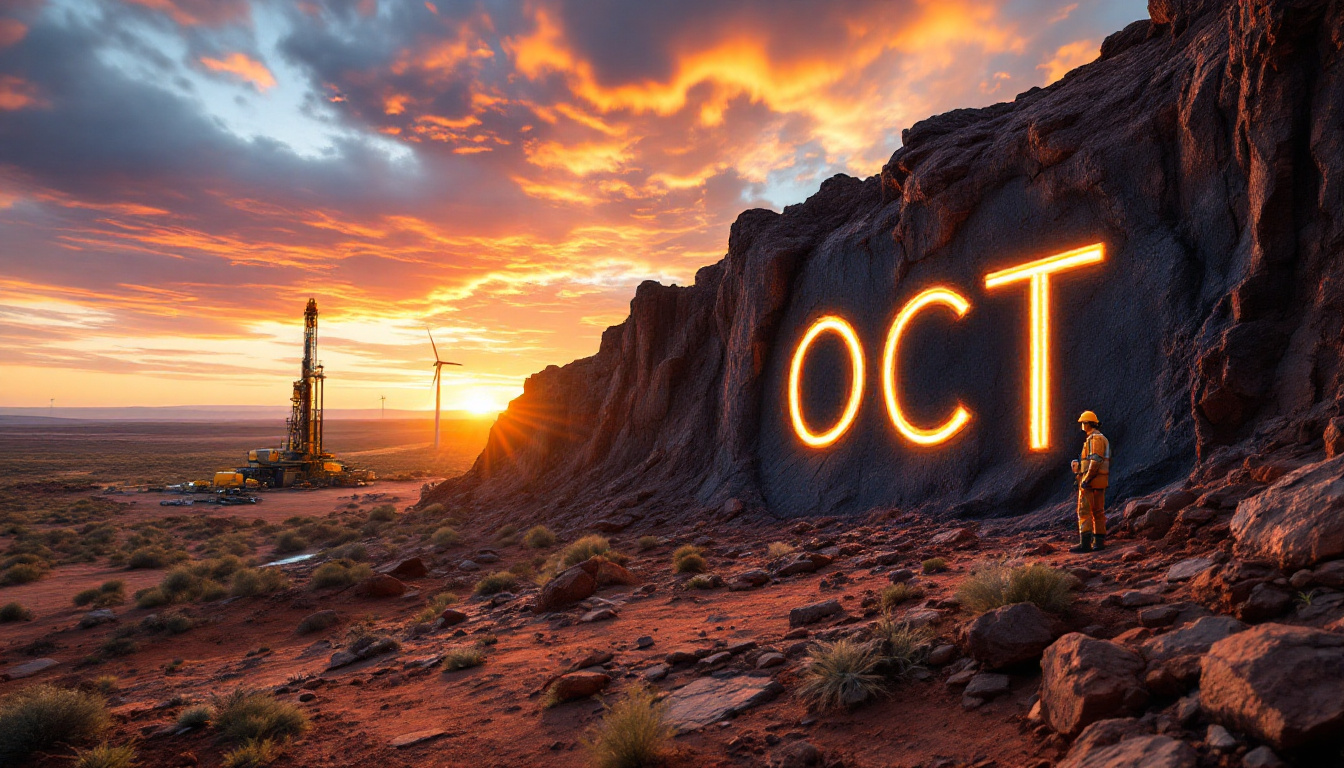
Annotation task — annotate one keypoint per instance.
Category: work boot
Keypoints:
(1084, 544)
(1098, 542)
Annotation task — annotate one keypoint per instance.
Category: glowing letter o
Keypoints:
(914, 434)
(846, 332)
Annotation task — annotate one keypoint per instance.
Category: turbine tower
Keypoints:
(382, 414)
(438, 385)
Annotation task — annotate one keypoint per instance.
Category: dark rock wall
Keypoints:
(1205, 149)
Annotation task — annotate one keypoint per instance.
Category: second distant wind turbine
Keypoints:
(438, 385)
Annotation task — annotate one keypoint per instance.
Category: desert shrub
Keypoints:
(778, 549)
(633, 734)
(905, 648)
(352, 551)
(896, 594)
(11, 612)
(194, 717)
(934, 565)
(105, 756)
(109, 594)
(499, 581)
(42, 716)
(997, 584)
(290, 541)
(688, 559)
(245, 715)
(185, 584)
(105, 685)
(118, 646)
(151, 598)
(646, 543)
(436, 606)
(702, 581)
(339, 573)
(383, 513)
(317, 622)
(253, 753)
(539, 537)
(584, 548)
(155, 557)
(445, 537)
(842, 673)
(463, 658)
(250, 582)
(23, 573)
(432, 509)
(507, 534)
(229, 544)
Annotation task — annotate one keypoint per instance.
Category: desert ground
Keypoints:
(411, 635)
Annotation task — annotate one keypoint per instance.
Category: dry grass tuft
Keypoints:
(463, 658)
(994, 585)
(843, 673)
(934, 565)
(584, 548)
(493, 584)
(253, 753)
(42, 716)
(539, 537)
(778, 549)
(11, 612)
(633, 734)
(244, 716)
(688, 559)
(896, 594)
(105, 756)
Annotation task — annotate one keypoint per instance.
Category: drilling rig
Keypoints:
(302, 462)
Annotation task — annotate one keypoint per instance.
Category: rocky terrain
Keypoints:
(644, 534)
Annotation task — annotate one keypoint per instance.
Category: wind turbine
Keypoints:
(382, 414)
(438, 385)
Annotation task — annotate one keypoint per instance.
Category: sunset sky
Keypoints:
(177, 177)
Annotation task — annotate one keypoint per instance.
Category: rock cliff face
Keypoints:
(1205, 149)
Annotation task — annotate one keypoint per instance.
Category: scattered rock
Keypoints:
(468, 565)
(1137, 751)
(809, 614)
(381, 585)
(418, 737)
(95, 617)
(1136, 598)
(1158, 616)
(748, 580)
(567, 588)
(412, 568)
(901, 575)
(987, 685)
(942, 654)
(656, 672)
(1218, 739)
(451, 617)
(953, 537)
(806, 562)
(1261, 757)
(1013, 634)
(644, 641)
(593, 659)
(1284, 685)
(708, 700)
(364, 648)
(768, 660)
(578, 685)
(28, 669)
(1298, 521)
(600, 614)
(799, 754)
(1266, 601)
(1085, 680)
(1188, 569)
(1193, 639)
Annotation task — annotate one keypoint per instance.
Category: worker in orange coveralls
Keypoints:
(1092, 471)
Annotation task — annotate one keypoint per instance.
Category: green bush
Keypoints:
(11, 612)
(251, 582)
(842, 673)
(41, 716)
(584, 548)
(688, 559)
(383, 513)
(634, 733)
(463, 658)
(997, 584)
(289, 542)
(23, 573)
(896, 594)
(194, 717)
(934, 565)
(499, 581)
(446, 537)
(253, 753)
(339, 573)
(539, 537)
(243, 716)
(105, 756)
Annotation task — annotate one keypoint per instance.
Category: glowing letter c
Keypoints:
(953, 425)
(846, 332)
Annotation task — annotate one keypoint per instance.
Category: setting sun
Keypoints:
(480, 404)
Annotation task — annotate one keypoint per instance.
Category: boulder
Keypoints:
(1145, 751)
(814, 612)
(411, 568)
(1013, 634)
(1266, 601)
(748, 580)
(1282, 684)
(987, 685)
(1188, 569)
(577, 685)
(1192, 639)
(382, 585)
(952, 538)
(98, 616)
(708, 700)
(567, 588)
(27, 669)
(1085, 680)
(806, 562)
(451, 617)
(1298, 521)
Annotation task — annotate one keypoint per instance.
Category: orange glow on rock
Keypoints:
(851, 339)
(917, 435)
(1038, 274)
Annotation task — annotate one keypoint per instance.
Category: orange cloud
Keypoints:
(1068, 58)
(17, 93)
(243, 67)
(11, 32)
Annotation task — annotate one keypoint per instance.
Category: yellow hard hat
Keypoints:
(1088, 416)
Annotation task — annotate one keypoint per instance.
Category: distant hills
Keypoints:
(213, 413)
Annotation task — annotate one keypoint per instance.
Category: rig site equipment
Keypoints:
(302, 461)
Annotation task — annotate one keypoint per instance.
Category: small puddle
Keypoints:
(294, 559)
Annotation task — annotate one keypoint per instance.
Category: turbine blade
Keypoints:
(432, 344)
(435, 382)
(445, 362)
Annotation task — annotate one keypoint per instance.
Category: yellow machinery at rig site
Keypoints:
(301, 462)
